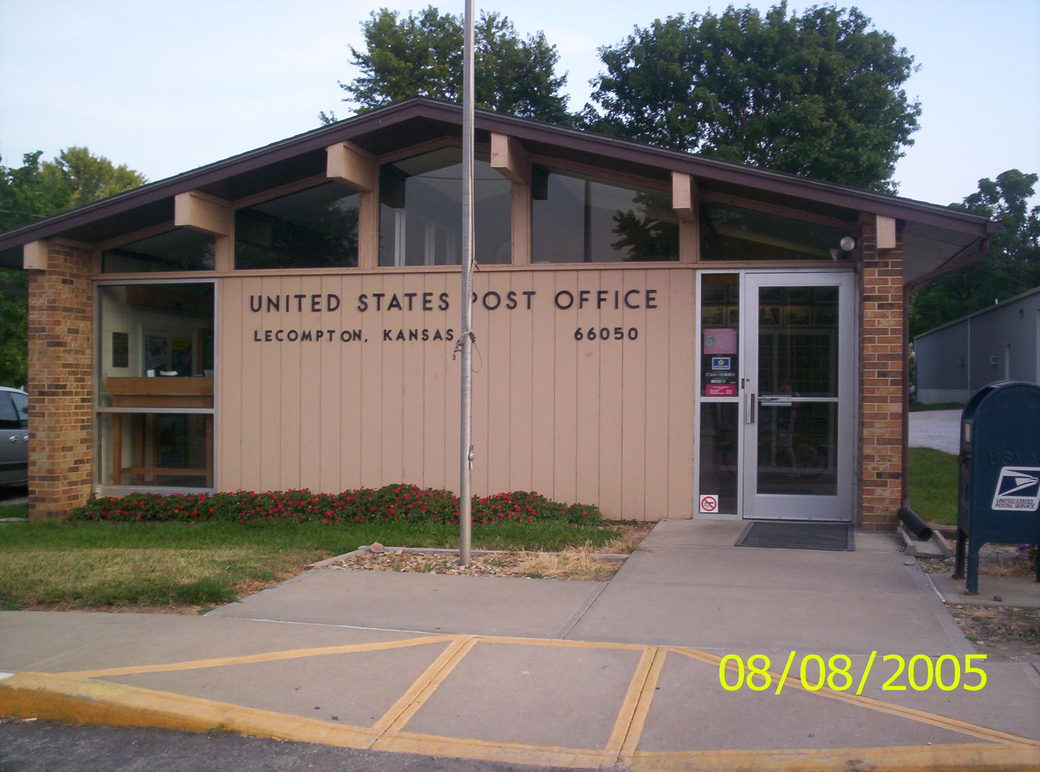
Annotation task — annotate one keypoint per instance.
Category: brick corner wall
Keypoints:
(882, 352)
(61, 450)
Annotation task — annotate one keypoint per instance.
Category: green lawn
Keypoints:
(98, 564)
(917, 407)
(14, 510)
(91, 564)
(932, 480)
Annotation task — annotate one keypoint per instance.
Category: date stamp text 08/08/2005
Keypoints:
(918, 673)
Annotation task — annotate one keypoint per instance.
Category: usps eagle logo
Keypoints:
(1018, 489)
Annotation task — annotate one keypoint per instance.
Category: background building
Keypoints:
(998, 343)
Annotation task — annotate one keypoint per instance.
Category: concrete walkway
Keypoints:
(567, 674)
(939, 429)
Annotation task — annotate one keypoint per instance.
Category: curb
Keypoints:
(56, 697)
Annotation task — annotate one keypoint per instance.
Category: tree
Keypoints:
(31, 192)
(1011, 266)
(819, 95)
(75, 177)
(421, 55)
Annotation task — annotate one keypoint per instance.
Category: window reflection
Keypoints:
(719, 457)
(156, 384)
(580, 220)
(420, 212)
(177, 250)
(732, 233)
(313, 228)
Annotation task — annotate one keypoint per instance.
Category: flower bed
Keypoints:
(400, 503)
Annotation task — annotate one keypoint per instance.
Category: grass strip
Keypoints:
(150, 577)
(14, 510)
(932, 479)
(92, 565)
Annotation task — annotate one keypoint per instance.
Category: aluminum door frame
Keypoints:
(757, 506)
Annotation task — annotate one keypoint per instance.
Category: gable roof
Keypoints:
(936, 238)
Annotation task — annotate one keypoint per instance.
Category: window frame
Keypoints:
(100, 410)
(620, 180)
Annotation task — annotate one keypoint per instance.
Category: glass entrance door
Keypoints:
(796, 396)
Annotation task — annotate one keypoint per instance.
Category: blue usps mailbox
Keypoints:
(999, 490)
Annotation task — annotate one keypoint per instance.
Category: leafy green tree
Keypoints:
(819, 95)
(30, 192)
(27, 194)
(1011, 266)
(421, 55)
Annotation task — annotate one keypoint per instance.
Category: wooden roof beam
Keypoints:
(886, 232)
(684, 196)
(34, 256)
(203, 212)
(351, 165)
(510, 159)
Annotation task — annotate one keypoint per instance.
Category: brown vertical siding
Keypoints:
(605, 422)
(681, 347)
(566, 401)
(634, 407)
(545, 381)
(332, 447)
(523, 350)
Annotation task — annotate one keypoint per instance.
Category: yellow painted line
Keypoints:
(402, 711)
(68, 698)
(408, 703)
(495, 750)
(935, 719)
(270, 656)
(623, 722)
(637, 721)
(622, 742)
(557, 642)
(60, 697)
(914, 758)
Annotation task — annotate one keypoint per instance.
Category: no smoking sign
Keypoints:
(709, 504)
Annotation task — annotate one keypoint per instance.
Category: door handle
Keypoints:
(25, 438)
(12, 438)
(749, 413)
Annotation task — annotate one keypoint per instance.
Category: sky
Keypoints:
(165, 87)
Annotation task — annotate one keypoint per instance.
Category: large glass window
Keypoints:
(718, 456)
(580, 220)
(177, 250)
(420, 212)
(313, 228)
(798, 387)
(732, 233)
(155, 385)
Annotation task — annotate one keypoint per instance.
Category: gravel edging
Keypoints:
(367, 549)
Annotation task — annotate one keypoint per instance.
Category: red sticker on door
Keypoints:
(720, 390)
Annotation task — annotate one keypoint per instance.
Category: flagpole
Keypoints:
(466, 334)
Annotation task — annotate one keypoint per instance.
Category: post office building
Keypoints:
(660, 334)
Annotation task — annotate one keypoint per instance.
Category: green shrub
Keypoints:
(391, 503)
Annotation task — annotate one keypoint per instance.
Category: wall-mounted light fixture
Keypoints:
(845, 246)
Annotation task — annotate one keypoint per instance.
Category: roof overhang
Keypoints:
(936, 238)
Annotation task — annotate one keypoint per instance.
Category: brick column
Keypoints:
(882, 381)
(61, 442)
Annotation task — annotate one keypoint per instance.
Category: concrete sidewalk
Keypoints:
(939, 429)
(566, 674)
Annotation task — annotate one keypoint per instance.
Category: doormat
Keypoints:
(798, 536)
